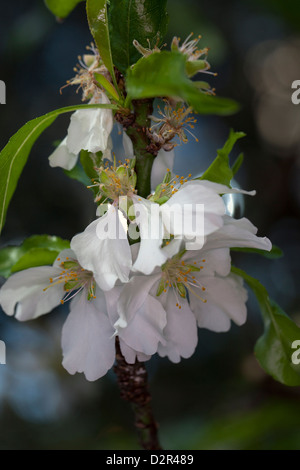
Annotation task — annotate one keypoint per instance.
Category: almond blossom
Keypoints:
(181, 204)
(194, 288)
(88, 335)
(89, 130)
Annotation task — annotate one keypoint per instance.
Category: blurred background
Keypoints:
(220, 398)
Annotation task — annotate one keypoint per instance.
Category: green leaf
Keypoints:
(14, 155)
(35, 257)
(141, 20)
(237, 164)
(61, 8)
(107, 86)
(97, 18)
(77, 173)
(50, 242)
(274, 349)
(164, 74)
(220, 171)
(275, 253)
(37, 250)
(84, 171)
(8, 257)
(89, 161)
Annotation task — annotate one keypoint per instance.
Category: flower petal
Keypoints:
(222, 189)
(89, 129)
(226, 300)
(128, 146)
(195, 192)
(145, 330)
(173, 248)
(180, 332)
(211, 261)
(112, 297)
(62, 157)
(64, 255)
(182, 208)
(87, 338)
(133, 296)
(163, 161)
(23, 293)
(107, 152)
(131, 355)
(238, 233)
(151, 234)
(103, 248)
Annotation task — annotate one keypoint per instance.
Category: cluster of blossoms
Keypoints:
(140, 270)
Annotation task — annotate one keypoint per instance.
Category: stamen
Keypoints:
(74, 279)
(87, 66)
(173, 123)
(180, 276)
(116, 181)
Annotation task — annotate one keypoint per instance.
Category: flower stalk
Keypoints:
(133, 378)
(133, 384)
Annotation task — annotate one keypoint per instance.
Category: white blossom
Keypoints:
(103, 248)
(63, 157)
(194, 287)
(192, 202)
(89, 130)
(88, 335)
(163, 162)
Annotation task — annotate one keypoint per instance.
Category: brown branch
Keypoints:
(133, 383)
